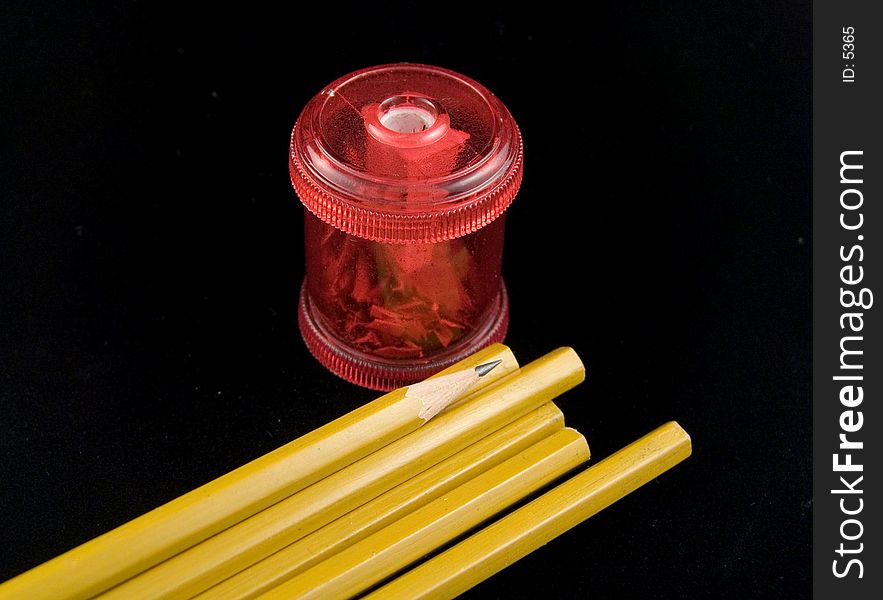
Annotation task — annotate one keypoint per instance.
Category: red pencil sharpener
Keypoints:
(405, 172)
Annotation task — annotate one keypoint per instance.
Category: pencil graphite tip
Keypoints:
(486, 368)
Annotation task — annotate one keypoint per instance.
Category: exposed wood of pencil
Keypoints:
(383, 510)
(514, 536)
(438, 393)
(264, 533)
(155, 536)
(393, 548)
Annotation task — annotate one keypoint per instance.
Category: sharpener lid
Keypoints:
(406, 153)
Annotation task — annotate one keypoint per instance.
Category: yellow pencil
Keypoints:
(364, 564)
(385, 509)
(255, 538)
(537, 523)
(165, 531)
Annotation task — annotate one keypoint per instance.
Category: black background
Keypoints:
(151, 254)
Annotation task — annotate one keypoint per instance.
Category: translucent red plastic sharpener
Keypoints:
(405, 172)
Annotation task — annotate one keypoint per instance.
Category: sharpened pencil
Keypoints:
(140, 544)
